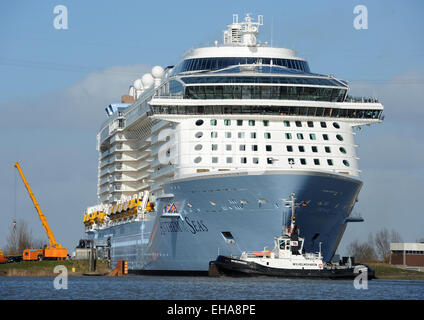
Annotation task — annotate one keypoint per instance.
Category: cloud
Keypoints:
(80, 106)
(54, 139)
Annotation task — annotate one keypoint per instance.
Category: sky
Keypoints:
(55, 84)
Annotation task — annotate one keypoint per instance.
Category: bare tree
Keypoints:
(20, 238)
(383, 238)
(362, 251)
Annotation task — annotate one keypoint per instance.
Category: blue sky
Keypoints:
(54, 85)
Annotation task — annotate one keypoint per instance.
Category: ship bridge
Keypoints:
(239, 47)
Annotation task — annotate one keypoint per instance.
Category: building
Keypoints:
(407, 254)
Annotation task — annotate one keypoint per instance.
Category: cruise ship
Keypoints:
(198, 158)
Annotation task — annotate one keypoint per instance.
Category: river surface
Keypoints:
(205, 288)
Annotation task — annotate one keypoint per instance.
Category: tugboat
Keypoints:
(286, 260)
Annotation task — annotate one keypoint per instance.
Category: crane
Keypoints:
(53, 250)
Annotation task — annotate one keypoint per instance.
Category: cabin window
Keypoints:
(199, 122)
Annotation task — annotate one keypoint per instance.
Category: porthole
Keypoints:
(199, 122)
(342, 150)
(336, 125)
(199, 134)
(198, 147)
(197, 159)
(346, 163)
(339, 137)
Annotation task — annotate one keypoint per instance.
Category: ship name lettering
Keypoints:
(196, 226)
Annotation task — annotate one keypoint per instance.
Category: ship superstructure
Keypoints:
(198, 156)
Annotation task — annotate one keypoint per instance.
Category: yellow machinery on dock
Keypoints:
(53, 250)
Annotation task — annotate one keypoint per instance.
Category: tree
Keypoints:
(20, 238)
(362, 251)
(382, 241)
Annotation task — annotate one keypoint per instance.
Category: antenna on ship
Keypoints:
(243, 33)
(292, 204)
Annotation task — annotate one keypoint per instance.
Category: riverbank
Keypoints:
(79, 267)
(388, 271)
(45, 268)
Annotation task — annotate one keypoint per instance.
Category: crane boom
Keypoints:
(52, 241)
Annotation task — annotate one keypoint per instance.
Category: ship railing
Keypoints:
(361, 99)
(169, 96)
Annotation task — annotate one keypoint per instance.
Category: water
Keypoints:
(182, 288)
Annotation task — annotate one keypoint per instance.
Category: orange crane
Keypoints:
(52, 251)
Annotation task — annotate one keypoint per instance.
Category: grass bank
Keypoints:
(388, 271)
(45, 268)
